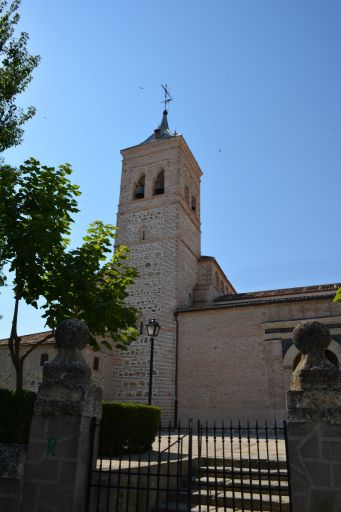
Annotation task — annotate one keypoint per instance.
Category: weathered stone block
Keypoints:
(336, 469)
(310, 447)
(331, 450)
(59, 450)
(319, 473)
(314, 412)
(321, 500)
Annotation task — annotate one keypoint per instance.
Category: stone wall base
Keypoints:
(315, 466)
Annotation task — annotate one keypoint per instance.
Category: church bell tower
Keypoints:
(159, 220)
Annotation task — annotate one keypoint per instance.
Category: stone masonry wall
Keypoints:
(33, 370)
(163, 235)
(227, 369)
(211, 282)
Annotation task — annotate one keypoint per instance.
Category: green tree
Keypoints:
(16, 67)
(89, 282)
(337, 297)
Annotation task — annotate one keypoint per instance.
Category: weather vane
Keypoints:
(168, 97)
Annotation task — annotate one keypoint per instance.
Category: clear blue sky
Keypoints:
(260, 80)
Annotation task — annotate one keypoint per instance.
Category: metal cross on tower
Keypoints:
(168, 97)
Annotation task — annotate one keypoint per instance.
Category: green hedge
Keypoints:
(128, 427)
(124, 426)
(16, 410)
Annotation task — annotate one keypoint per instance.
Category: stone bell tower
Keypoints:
(159, 220)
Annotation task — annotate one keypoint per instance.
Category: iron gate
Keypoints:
(200, 468)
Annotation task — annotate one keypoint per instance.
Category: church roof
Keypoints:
(301, 293)
(162, 132)
(281, 292)
(34, 338)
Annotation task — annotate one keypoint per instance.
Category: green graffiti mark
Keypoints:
(51, 444)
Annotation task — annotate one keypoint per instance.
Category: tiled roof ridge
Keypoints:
(230, 303)
(37, 335)
(280, 291)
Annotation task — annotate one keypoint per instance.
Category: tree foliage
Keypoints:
(89, 282)
(337, 297)
(16, 67)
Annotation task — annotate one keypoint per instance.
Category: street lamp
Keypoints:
(153, 328)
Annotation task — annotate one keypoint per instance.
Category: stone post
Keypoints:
(314, 424)
(61, 440)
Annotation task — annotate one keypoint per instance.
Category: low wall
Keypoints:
(12, 460)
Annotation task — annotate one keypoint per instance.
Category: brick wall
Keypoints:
(227, 369)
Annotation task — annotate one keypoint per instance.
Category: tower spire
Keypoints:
(163, 131)
(164, 123)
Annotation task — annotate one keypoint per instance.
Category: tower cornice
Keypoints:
(158, 146)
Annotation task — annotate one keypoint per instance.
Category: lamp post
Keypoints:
(153, 328)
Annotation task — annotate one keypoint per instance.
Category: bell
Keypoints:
(139, 192)
(159, 189)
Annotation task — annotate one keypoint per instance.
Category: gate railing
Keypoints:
(204, 468)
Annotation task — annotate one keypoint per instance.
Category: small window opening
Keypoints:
(43, 359)
(159, 187)
(193, 204)
(141, 232)
(141, 327)
(96, 363)
(139, 189)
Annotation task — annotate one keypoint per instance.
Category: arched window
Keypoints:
(159, 185)
(140, 324)
(193, 204)
(139, 188)
(141, 233)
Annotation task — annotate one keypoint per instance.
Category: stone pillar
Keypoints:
(60, 444)
(314, 424)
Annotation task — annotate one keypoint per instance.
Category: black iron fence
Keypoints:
(199, 467)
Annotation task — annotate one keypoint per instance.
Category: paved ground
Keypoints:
(174, 447)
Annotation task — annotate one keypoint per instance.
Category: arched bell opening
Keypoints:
(159, 185)
(329, 354)
(139, 188)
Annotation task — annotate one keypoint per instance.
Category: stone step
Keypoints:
(213, 485)
(227, 472)
(203, 502)
(244, 463)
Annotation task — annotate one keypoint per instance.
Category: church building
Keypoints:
(219, 355)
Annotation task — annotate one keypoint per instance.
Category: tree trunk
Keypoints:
(14, 346)
(19, 376)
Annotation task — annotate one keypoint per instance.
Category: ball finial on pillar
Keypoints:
(72, 334)
(314, 370)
